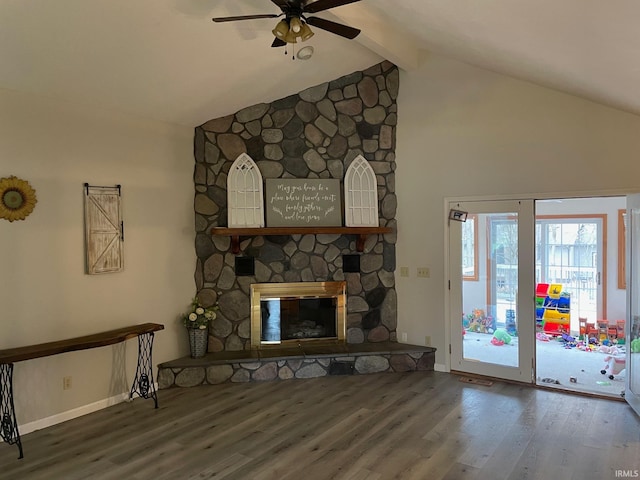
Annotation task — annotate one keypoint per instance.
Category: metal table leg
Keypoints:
(143, 383)
(8, 424)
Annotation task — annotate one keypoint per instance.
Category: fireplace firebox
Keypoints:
(291, 313)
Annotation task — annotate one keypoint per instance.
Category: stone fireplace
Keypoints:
(294, 313)
(315, 134)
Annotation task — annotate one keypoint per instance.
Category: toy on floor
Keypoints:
(568, 341)
(500, 337)
(479, 322)
(614, 365)
(612, 350)
(567, 338)
(510, 323)
(543, 337)
(585, 347)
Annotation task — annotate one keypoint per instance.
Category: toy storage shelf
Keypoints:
(360, 232)
(553, 309)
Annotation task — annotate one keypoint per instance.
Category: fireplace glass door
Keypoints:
(297, 319)
(292, 313)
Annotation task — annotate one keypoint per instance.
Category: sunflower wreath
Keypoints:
(17, 198)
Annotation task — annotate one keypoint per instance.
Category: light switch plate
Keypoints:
(423, 272)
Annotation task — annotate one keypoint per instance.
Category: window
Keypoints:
(569, 252)
(470, 248)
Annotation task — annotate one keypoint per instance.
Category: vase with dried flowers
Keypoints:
(197, 320)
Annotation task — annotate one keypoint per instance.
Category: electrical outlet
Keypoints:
(66, 383)
(423, 272)
(427, 341)
(403, 336)
(404, 271)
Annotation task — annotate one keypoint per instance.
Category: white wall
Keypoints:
(465, 131)
(44, 293)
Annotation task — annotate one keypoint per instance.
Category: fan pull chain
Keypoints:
(293, 50)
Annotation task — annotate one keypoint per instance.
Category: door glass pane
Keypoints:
(567, 258)
(490, 302)
(633, 357)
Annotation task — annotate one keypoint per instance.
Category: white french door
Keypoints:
(632, 337)
(491, 292)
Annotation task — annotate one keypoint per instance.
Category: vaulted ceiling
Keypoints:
(166, 60)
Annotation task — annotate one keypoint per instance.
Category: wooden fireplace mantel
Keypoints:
(236, 233)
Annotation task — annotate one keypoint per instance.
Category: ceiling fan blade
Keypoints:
(245, 17)
(278, 43)
(281, 3)
(321, 5)
(333, 27)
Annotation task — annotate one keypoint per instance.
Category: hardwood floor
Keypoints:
(417, 425)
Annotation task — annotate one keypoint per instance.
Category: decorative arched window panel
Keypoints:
(244, 193)
(360, 195)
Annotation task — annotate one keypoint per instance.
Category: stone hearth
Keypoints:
(304, 361)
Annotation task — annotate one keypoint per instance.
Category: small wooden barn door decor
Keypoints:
(104, 229)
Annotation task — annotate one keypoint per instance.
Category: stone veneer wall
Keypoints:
(314, 134)
(177, 374)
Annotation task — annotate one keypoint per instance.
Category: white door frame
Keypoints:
(524, 371)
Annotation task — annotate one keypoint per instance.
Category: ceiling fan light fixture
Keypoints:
(305, 32)
(282, 30)
(290, 37)
(295, 24)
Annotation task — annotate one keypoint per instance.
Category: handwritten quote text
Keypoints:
(300, 202)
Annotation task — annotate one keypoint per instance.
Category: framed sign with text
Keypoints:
(294, 202)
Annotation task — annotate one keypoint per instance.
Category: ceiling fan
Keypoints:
(295, 24)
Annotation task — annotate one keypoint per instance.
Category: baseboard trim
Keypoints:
(75, 412)
(439, 367)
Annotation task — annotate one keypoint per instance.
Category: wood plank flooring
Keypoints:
(416, 425)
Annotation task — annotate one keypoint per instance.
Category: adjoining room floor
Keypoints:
(555, 364)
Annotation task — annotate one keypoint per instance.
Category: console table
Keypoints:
(142, 384)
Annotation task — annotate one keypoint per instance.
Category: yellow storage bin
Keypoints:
(556, 317)
(555, 289)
